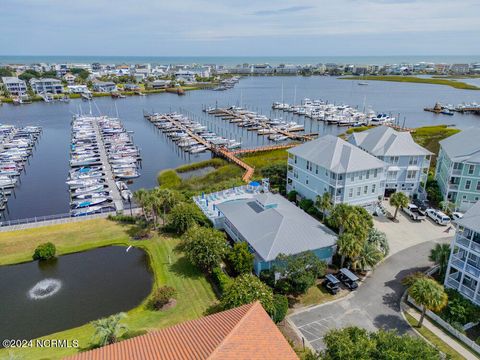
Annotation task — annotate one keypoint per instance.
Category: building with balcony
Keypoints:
(104, 86)
(14, 85)
(46, 86)
(463, 272)
(408, 162)
(330, 164)
(458, 168)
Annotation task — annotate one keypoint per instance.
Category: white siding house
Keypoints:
(408, 162)
(14, 85)
(330, 164)
(46, 86)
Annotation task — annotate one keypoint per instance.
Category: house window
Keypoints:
(394, 159)
(316, 169)
(350, 193)
(359, 189)
(375, 173)
(340, 176)
(365, 190)
(308, 165)
(411, 174)
(374, 188)
(352, 177)
(361, 175)
(306, 180)
(471, 169)
(295, 159)
(468, 183)
(413, 161)
(368, 174)
(478, 185)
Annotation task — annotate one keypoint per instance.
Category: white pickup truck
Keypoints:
(414, 213)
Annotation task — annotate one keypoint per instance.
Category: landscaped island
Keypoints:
(413, 79)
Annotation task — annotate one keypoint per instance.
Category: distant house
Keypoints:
(271, 225)
(408, 162)
(262, 69)
(69, 78)
(46, 86)
(160, 84)
(332, 165)
(14, 85)
(458, 168)
(242, 333)
(463, 272)
(185, 76)
(78, 89)
(104, 86)
(131, 87)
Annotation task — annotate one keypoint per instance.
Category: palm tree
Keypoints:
(379, 239)
(368, 257)
(429, 294)
(167, 199)
(349, 246)
(109, 329)
(324, 203)
(343, 217)
(398, 200)
(440, 255)
(140, 197)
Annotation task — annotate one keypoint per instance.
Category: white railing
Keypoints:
(460, 336)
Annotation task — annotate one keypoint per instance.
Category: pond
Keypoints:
(39, 299)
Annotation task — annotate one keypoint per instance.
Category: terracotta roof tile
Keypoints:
(245, 332)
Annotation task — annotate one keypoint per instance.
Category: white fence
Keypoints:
(463, 338)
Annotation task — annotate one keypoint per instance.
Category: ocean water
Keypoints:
(234, 60)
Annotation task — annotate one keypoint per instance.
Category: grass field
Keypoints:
(416, 80)
(434, 339)
(224, 176)
(194, 292)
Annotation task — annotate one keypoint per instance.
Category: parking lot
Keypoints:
(375, 304)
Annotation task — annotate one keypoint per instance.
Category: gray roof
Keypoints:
(471, 219)
(11, 80)
(385, 141)
(336, 155)
(464, 146)
(284, 229)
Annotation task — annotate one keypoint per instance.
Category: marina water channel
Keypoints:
(43, 191)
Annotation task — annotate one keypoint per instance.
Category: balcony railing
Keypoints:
(458, 263)
(453, 186)
(457, 171)
(472, 270)
(467, 291)
(463, 241)
(453, 283)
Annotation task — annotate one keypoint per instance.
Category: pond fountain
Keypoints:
(45, 288)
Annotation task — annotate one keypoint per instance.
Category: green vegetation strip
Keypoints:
(433, 339)
(417, 80)
(194, 292)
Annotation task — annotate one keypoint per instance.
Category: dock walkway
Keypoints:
(114, 192)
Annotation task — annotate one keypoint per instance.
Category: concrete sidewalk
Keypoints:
(441, 335)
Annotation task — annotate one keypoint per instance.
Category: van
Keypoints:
(439, 217)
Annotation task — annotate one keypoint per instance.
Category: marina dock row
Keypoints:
(102, 157)
(16, 146)
(193, 137)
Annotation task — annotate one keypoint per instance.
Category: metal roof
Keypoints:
(471, 219)
(332, 279)
(349, 274)
(337, 155)
(464, 146)
(283, 229)
(385, 141)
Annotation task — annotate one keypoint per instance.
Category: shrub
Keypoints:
(44, 251)
(280, 304)
(241, 258)
(204, 247)
(306, 205)
(292, 195)
(183, 216)
(459, 309)
(124, 219)
(221, 279)
(162, 297)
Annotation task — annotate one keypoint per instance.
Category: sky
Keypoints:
(239, 28)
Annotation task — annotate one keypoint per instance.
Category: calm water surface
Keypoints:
(93, 284)
(43, 191)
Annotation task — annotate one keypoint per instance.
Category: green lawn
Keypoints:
(434, 339)
(317, 295)
(417, 80)
(194, 292)
(225, 174)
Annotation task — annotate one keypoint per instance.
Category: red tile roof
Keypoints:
(242, 333)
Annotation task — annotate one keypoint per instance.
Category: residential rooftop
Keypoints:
(385, 141)
(272, 225)
(464, 146)
(336, 155)
(242, 333)
(471, 219)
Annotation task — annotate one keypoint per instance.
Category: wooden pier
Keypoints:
(114, 192)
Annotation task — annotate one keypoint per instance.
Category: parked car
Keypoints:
(332, 284)
(439, 217)
(349, 279)
(414, 212)
(457, 215)
(422, 205)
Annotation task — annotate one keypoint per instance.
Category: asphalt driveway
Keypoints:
(376, 303)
